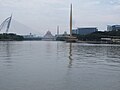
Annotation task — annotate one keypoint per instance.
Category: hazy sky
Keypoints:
(43, 15)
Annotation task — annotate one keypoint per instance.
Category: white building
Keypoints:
(48, 37)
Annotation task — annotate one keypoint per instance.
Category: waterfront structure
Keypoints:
(48, 37)
(32, 37)
(113, 28)
(28, 36)
(84, 31)
(62, 37)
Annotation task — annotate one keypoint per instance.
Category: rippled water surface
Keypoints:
(44, 65)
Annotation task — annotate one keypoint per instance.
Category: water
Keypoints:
(44, 65)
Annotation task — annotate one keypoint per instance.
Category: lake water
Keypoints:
(42, 65)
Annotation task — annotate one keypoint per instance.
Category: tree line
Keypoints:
(10, 37)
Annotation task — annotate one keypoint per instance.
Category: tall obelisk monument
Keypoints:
(71, 20)
(71, 38)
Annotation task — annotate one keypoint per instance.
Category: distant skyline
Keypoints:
(44, 15)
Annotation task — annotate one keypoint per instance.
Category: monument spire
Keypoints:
(71, 38)
(71, 20)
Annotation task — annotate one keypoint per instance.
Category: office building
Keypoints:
(84, 31)
(113, 28)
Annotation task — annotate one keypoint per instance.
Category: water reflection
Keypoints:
(70, 56)
(48, 48)
(113, 51)
(88, 54)
(6, 52)
(113, 56)
(45, 67)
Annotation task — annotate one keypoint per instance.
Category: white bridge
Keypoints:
(6, 24)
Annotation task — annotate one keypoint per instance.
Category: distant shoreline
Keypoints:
(10, 37)
(87, 42)
(98, 42)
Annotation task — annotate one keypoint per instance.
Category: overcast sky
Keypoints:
(44, 15)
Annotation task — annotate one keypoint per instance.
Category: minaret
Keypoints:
(71, 20)
(57, 30)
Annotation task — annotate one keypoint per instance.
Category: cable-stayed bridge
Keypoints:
(10, 25)
(6, 23)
